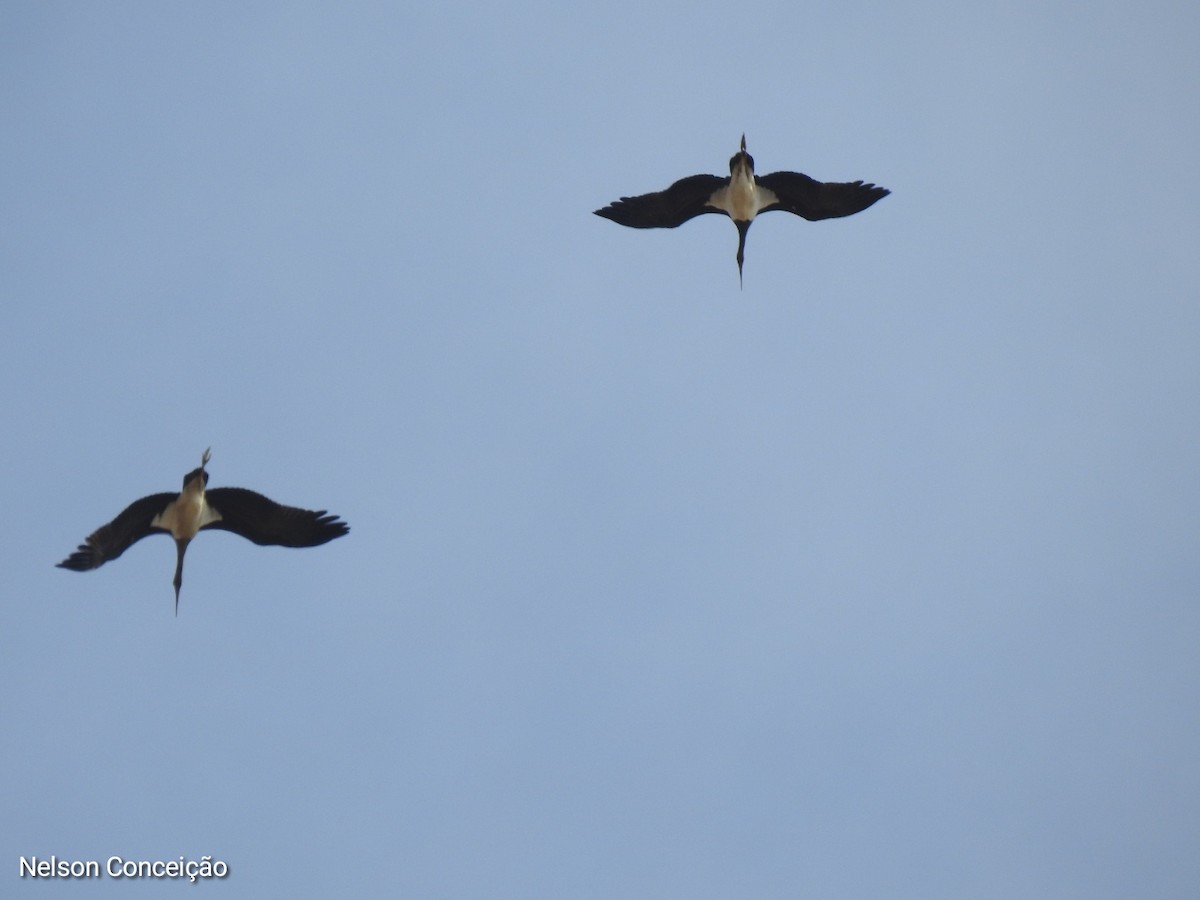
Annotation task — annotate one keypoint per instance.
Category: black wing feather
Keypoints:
(111, 540)
(685, 199)
(267, 523)
(816, 200)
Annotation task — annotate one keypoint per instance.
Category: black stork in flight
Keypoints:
(742, 196)
(194, 509)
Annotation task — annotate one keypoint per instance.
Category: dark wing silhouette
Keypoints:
(111, 540)
(685, 199)
(265, 522)
(814, 199)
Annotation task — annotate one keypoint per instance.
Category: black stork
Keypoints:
(742, 196)
(194, 509)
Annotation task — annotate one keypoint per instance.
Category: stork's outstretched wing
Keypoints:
(815, 200)
(685, 199)
(265, 522)
(111, 540)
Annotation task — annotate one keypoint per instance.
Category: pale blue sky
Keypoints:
(877, 578)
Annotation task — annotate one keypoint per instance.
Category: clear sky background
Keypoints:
(877, 578)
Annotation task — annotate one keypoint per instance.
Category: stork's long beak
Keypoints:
(180, 547)
(742, 228)
(743, 143)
